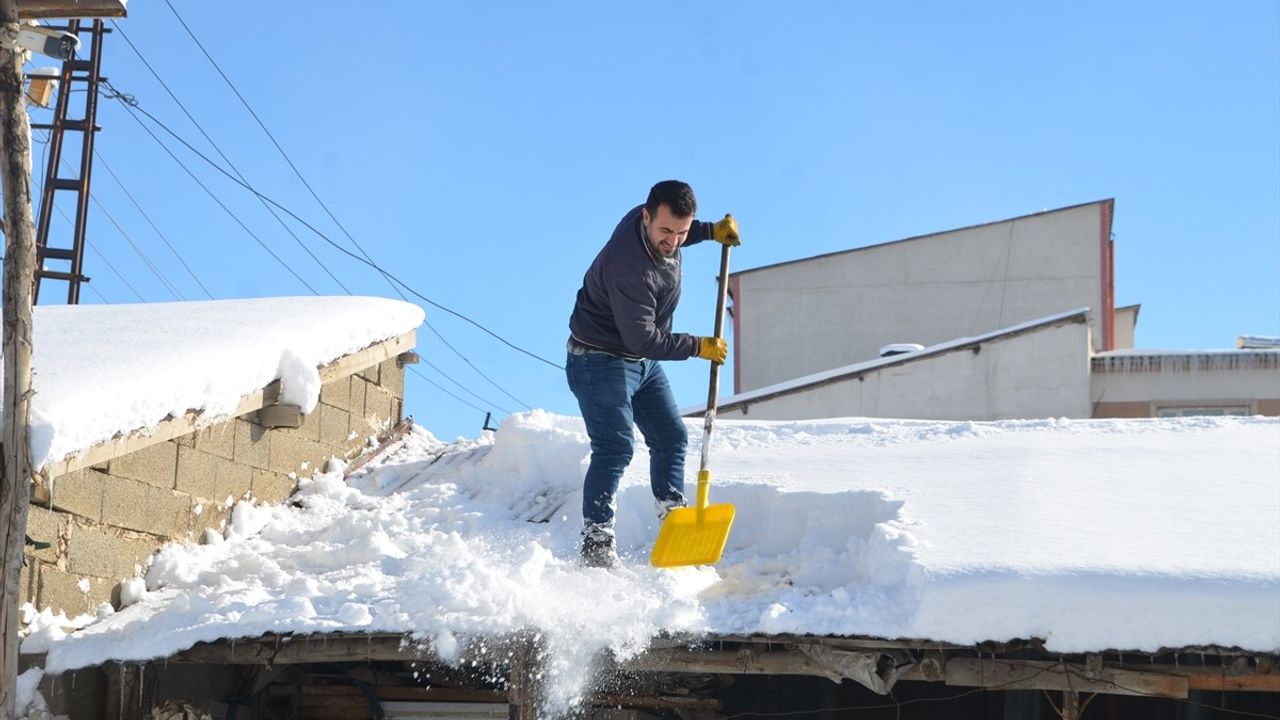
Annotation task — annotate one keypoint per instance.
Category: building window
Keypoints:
(1195, 410)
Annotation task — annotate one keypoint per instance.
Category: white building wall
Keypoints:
(808, 316)
(1042, 373)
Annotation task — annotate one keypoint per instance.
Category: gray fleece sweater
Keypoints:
(630, 293)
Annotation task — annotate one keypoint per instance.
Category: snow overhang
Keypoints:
(189, 422)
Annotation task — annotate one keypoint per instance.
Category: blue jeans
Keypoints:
(613, 393)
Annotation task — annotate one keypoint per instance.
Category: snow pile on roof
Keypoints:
(103, 370)
(1091, 535)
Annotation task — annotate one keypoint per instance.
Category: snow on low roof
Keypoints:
(106, 370)
(819, 378)
(1088, 534)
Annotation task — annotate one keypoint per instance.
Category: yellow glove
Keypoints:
(713, 349)
(726, 232)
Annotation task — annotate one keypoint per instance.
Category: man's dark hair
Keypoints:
(674, 194)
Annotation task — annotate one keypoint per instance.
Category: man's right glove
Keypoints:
(725, 232)
(713, 349)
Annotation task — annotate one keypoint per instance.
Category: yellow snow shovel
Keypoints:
(696, 535)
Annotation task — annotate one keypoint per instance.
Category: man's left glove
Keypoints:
(726, 231)
(713, 349)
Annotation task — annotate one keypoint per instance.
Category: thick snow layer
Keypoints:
(1092, 535)
(103, 370)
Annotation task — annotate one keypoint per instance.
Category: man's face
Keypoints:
(666, 231)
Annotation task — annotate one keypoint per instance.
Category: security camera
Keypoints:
(46, 41)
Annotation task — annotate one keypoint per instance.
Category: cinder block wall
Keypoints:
(103, 523)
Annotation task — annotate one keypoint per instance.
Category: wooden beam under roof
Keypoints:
(46, 9)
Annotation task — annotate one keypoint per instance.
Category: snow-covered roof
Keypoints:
(1137, 360)
(107, 371)
(858, 368)
(1090, 535)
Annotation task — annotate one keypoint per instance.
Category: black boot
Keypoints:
(598, 551)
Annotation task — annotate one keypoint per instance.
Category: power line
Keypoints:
(130, 107)
(223, 155)
(155, 270)
(101, 257)
(280, 148)
(444, 390)
(133, 105)
(464, 388)
(107, 262)
(137, 205)
(94, 290)
(473, 367)
(329, 212)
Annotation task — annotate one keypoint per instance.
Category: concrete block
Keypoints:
(90, 551)
(334, 427)
(156, 464)
(370, 373)
(310, 428)
(46, 526)
(358, 388)
(124, 504)
(133, 556)
(80, 493)
(210, 477)
(168, 513)
(337, 393)
(377, 409)
(217, 439)
(252, 444)
(290, 453)
(391, 378)
(208, 516)
(270, 487)
(71, 593)
(236, 484)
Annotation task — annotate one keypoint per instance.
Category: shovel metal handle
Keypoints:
(714, 389)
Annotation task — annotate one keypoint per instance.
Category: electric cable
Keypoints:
(138, 205)
(101, 257)
(484, 400)
(473, 367)
(130, 107)
(325, 206)
(155, 270)
(133, 105)
(280, 148)
(223, 155)
(443, 389)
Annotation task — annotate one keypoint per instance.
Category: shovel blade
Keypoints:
(684, 540)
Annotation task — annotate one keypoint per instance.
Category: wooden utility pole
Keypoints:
(19, 278)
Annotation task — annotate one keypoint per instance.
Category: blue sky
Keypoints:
(483, 152)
